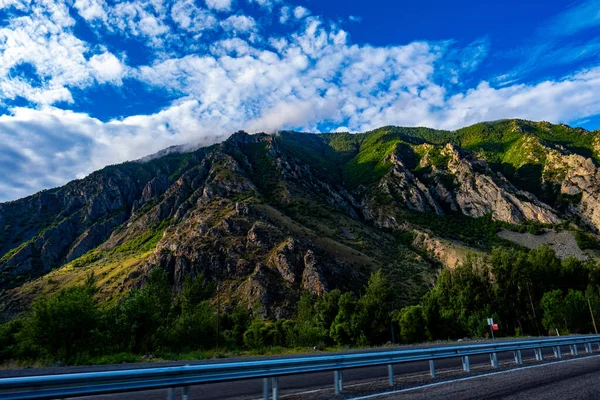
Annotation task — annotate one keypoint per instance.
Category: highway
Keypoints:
(357, 382)
(571, 379)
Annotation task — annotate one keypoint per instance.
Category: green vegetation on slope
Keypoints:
(526, 292)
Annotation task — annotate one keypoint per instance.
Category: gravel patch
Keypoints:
(563, 242)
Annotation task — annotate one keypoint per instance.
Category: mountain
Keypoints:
(271, 216)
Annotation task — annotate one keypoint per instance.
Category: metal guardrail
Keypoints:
(92, 383)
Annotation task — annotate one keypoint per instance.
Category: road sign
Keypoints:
(490, 321)
(495, 327)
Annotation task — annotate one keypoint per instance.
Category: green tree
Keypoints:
(343, 330)
(194, 329)
(307, 332)
(577, 312)
(196, 290)
(65, 325)
(138, 321)
(412, 324)
(259, 335)
(373, 310)
(327, 307)
(554, 311)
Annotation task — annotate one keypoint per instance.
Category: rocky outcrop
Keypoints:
(464, 184)
(578, 177)
(481, 191)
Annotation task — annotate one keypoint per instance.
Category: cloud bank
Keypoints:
(227, 71)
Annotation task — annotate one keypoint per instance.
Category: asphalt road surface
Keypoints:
(357, 382)
(572, 379)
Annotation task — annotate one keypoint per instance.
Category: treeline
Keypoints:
(73, 327)
(526, 292)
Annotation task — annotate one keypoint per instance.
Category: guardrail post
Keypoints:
(494, 360)
(538, 354)
(186, 392)
(391, 374)
(557, 352)
(266, 388)
(466, 364)
(171, 394)
(275, 385)
(338, 381)
(573, 348)
(432, 368)
(588, 348)
(518, 357)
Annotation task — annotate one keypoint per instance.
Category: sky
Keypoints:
(89, 83)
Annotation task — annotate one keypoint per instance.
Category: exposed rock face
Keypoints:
(475, 190)
(578, 176)
(481, 191)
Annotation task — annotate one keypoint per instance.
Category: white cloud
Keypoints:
(580, 16)
(46, 44)
(107, 68)
(284, 14)
(143, 19)
(91, 10)
(189, 17)
(219, 5)
(47, 147)
(301, 12)
(239, 24)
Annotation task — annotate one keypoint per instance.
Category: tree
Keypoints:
(307, 331)
(373, 310)
(139, 319)
(343, 330)
(412, 324)
(195, 290)
(326, 308)
(554, 311)
(577, 312)
(65, 325)
(258, 335)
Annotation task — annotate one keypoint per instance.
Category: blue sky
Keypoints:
(87, 83)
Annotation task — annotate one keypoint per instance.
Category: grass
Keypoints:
(112, 269)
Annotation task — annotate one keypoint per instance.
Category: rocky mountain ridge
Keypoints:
(270, 216)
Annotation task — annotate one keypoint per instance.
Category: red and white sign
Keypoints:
(495, 327)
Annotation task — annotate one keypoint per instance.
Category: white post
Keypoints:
(494, 360)
(518, 357)
(466, 365)
(557, 352)
(391, 375)
(432, 368)
(275, 384)
(338, 382)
